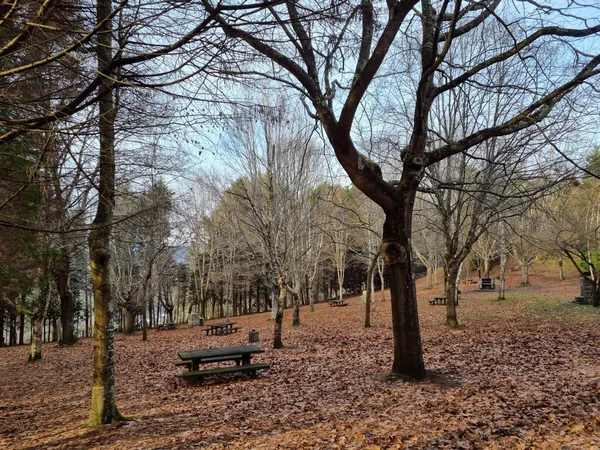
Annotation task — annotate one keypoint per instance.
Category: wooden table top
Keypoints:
(220, 324)
(220, 351)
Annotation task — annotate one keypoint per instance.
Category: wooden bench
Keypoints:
(165, 326)
(252, 368)
(188, 363)
(228, 330)
(184, 362)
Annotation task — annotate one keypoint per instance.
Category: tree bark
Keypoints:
(67, 300)
(451, 292)
(103, 406)
(561, 274)
(429, 276)
(37, 322)
(524, 274)
(502, 282)
(370, 292)
(397, 254)
(277, 342)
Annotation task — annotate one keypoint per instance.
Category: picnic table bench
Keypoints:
(337, 302)
(220, 328)
(165, 326)
(241, 354)
(487, 283)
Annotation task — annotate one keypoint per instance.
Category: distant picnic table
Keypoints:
(165, 326)
(241, 354)
(337, 302)
(218, 328)
(441, 299)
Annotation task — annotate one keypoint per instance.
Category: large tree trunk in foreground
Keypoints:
(103, 408)
(397, 254)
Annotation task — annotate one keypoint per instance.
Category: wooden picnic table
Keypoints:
(441, 300)
(220, 328)
(241, 354)
(337, 302)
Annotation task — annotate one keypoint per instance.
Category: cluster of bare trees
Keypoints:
(459, 108)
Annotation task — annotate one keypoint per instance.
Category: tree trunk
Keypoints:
(370, 292)
(67, 300)
(21, 328)
(2, 316)
(277, 342)
(129, 325)
(453, 268)
(274, 306)
(429, 276)
(524, 273)
(37, 322)
(12, 327)
(103, 408)
(55, 331)
(561, 274)
(35, 351)
(502, 283)
(296, 315)
(596, 293)
(381, 280)
(397, 254)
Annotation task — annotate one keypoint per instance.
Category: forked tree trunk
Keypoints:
(103, 406)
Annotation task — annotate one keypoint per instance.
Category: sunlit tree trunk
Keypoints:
(103, 406)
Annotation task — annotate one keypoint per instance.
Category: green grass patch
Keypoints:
(562, 310)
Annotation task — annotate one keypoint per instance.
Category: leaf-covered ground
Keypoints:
(522, 373)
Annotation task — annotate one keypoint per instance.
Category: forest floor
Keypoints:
(523, 373)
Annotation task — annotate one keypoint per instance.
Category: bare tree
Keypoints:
(277, 164)
(309, 47)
